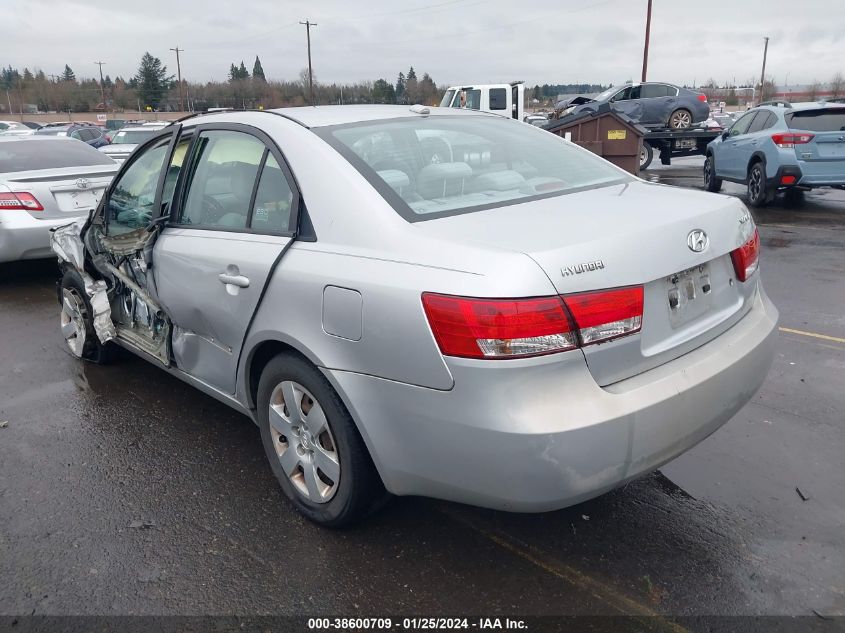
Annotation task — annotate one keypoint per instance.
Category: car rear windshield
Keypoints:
(821, 120)
(48, 154)
(134, 137)
(428, 167)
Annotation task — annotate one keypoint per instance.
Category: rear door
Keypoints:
(229, 225)
(656, 103)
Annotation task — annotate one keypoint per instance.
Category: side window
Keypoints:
(761, 122)
(498, 99)
(130, 205)
(75, 134)
(649, 91)
(671, 91)
(473, 99)
(742, 125)
(622, 95)
(173, 170)
(272, 209)
(635, 92)
(220, 188)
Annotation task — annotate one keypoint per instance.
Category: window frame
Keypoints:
(751, 116)
(766, 122)
(270, 147)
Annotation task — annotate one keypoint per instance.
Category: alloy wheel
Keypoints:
(680, 120)
(73, 321)
(755, 184)
(303, 441)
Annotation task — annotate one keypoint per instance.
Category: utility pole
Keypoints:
(308, 26)
(763, 74)
(102, 87)
(647, 34)
(179, 76)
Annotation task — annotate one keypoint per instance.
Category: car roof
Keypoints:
(320, 116)
(32, 138)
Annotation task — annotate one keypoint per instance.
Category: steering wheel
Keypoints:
(212, 210)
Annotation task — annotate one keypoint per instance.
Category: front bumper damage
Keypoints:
(66, 243)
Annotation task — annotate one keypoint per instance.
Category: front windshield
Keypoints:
(429, 167)
(607, 94)
(133, 137)
(447, 99)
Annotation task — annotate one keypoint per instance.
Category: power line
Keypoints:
(179, 76)
(308, 26)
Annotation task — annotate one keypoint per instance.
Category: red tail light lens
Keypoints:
(20, 200)
(746, 257)
(789, 139)
(606, 314)
(495, 328)
(702, 97)
(512, 328)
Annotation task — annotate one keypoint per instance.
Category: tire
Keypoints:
(680, 119)
(321, 462)
(76, 321)
(646, 155)
(759, 194)
(711, 182)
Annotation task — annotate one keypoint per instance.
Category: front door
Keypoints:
(231, 223)
(730, 157)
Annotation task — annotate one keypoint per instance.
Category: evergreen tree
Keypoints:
(107, 82)
(233, 72)
(68, 74)
(412, 76)
(400, 87)
(152, 80)
(258, 71)
(243, 73)
(27, 76)
(383, 92)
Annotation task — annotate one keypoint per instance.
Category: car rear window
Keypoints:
(821, 120)
(428, 167)
(27, 154)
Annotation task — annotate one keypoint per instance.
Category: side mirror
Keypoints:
(726, 134)
(162, 219)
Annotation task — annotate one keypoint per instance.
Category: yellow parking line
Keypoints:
(825, 337)
(604, 593)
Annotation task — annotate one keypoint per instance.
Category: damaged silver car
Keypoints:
(424, 301)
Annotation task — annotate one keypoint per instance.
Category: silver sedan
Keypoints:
(424, 302)
(45, 183)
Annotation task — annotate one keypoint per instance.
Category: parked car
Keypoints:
(87, 133)
(651, 104)
(14, 128)
(538, 119)
(45, 182)
(125, 140)
(491, 329)
(773, 148)
(31, 125)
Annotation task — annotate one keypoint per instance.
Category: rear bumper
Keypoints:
(25, 237)
(540, 434)
(821, 174)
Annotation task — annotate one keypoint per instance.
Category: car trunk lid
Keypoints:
(634, 234)
(63, 191)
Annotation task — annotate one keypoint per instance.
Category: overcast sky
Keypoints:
(455, 41)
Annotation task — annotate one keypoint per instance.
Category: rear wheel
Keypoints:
(313, 445)
(711, 182)
(646, 155)
(680, 119)
(77, 321)
(759, 194)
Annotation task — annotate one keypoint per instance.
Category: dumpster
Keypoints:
(611, 135)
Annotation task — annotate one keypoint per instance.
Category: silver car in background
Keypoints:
(126, 139)
(424, 301)
(45, 182)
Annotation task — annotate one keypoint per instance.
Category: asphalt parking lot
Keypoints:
(124, 491)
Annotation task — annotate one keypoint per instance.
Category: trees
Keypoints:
(68, 74)
(837, 85)
(400, 88)
(258, 70)
(151, 81)
(383, 92)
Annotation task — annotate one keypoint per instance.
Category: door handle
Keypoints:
(235, 280)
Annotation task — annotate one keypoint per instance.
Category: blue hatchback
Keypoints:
(787, 148)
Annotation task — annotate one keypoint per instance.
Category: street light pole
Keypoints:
(763, 74)
(102, 86)
(179, 76)
(647, 35)
(308, 26)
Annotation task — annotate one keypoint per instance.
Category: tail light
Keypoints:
(746, 258)
(702, 97)
(789, 139)
(20, 200)
(513, 328)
